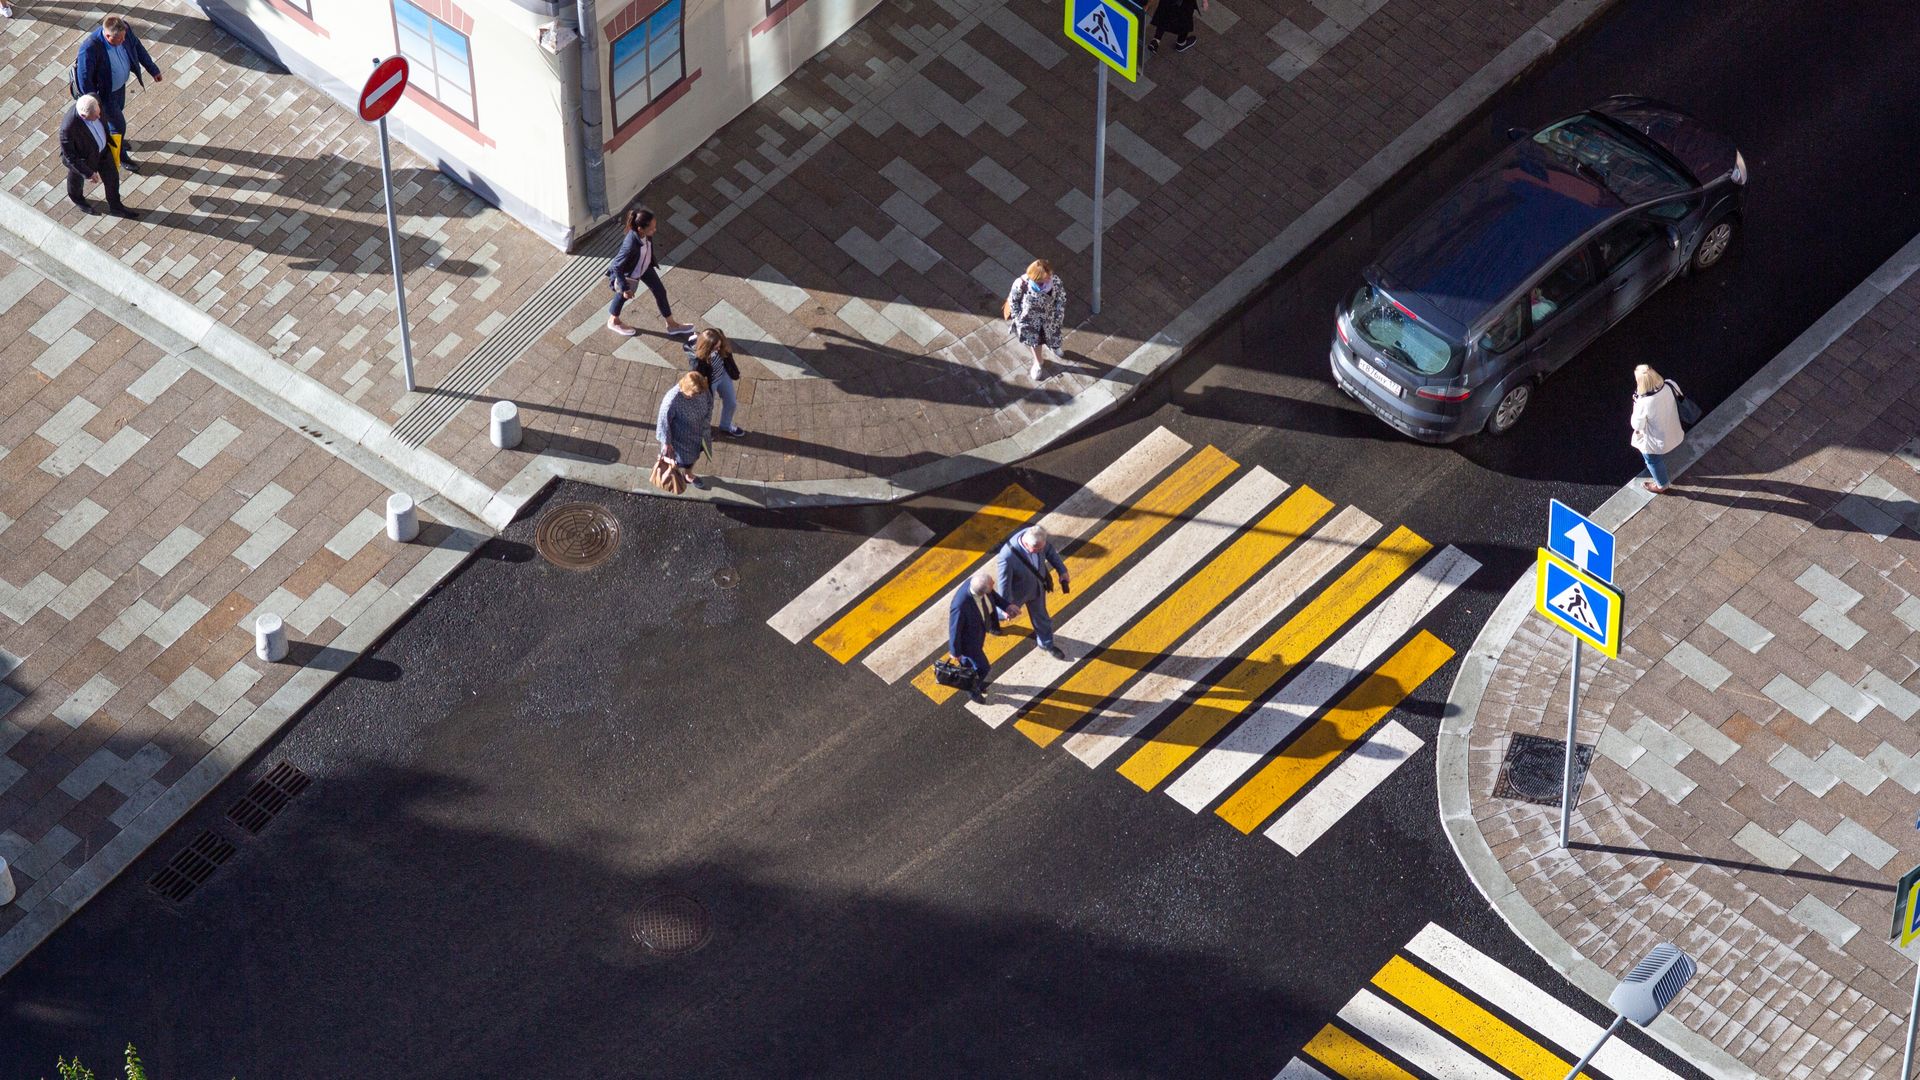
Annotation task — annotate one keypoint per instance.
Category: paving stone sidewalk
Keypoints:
(855, 231)
(1757, 772)
(146, 515)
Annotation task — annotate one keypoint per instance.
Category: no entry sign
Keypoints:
(383, 89)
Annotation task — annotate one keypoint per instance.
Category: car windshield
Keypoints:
(1630, 171)
(1390, 328)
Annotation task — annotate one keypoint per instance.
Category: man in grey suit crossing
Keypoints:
(1025, 569)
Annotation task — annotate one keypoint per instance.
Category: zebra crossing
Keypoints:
(1441, 1008)
(1236, 641)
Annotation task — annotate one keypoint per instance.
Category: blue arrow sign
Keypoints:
(1574, 537)
(1110, 30)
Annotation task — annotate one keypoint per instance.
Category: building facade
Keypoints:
(510, 98)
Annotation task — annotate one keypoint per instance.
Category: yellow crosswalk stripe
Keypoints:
(1144, 642)
(1351, 1058)
(1269, 663)
(1329, 737)
(1138, 523)
(1467, 1021)
(933, 570)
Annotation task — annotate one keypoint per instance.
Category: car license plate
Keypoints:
(1380, 378)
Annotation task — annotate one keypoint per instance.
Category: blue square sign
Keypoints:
(1110, 30)
(1574, 537)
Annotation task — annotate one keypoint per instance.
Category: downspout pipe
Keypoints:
(593, 162)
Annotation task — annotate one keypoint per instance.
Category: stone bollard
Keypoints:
(269, 638)
(6, 882)
(402, 523)
(506, 425)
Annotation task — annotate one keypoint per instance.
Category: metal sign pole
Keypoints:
(1913, 1014)
(393, 248)
(1099, 178)
(1573, 718)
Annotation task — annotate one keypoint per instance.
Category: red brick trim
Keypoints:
(446, 12)
(654, 108)
(300, 17)
(631, 16)
(786, 8)
(447, 116)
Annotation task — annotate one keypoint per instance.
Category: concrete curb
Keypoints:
(1476, 669)
(1148, 361)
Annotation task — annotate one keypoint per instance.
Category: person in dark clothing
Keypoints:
(1025, 568)
(1175, 17)
(83, 150)
(108, 54)
(975, 610)
(635, 262)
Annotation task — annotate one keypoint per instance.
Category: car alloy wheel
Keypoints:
(1713, 245)
(1507, 412)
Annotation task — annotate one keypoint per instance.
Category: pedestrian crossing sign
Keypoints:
(1110, 30)
(1578, 602)
(1906, 913)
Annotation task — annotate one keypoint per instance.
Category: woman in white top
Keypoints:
(1656, 423)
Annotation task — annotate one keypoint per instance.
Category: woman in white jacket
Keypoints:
(1656, 423)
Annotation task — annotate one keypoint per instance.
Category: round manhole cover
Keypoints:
(672, 924)
(577, 536)
(726, 577)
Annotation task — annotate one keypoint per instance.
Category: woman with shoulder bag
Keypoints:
(1036, 310)
(686, 412)
(708, 346)
(1657, 431)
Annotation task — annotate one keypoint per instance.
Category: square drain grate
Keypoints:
(1533, 768)
(267, 797)
(191, 866)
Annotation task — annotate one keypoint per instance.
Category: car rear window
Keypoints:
(1389, 328)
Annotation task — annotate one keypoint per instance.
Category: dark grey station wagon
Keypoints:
(1531, 258)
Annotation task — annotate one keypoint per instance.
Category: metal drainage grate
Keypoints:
(672, 924)
(191, 867)
(577, 536)
(267, 797)
(1534, 767)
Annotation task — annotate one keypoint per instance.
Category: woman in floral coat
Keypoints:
(1036, 309)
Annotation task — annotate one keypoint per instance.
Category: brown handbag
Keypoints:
(666, 476)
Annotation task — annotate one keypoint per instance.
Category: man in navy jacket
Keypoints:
(974, 610)
(108, 54)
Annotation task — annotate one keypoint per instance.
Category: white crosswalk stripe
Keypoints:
(855, 574)
(1311, 690)
(910, 646)
(1426, 1048)
(1141, 703)
(1108, 612)
(1299, 1070)
(1500, 987)
(1371, 762)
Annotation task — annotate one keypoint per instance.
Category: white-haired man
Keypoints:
(83, 149)
(975, 611)
(1023, 571)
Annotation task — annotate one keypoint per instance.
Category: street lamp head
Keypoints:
(1652, 983)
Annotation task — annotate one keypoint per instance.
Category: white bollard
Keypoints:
(506, 425)
(269, 638)
(402, 523)
(6, 882)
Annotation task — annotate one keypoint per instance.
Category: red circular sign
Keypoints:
(383, 89)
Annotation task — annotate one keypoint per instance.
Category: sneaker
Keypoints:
(1056, 652)
(1153, 45)
(736, 431)
(622, 329)
(698, 482)
(1184, 44)
(1039, 373)
(677, 329)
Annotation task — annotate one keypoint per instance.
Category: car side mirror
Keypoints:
(1673, 238)
(1515, 134)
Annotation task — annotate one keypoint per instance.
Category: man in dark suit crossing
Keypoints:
(975, 610)
(83, 149)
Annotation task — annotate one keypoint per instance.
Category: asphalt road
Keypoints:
(895, 889)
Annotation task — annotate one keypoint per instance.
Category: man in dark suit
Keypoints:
(83, 149)
(975, 610)
(108, 55)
